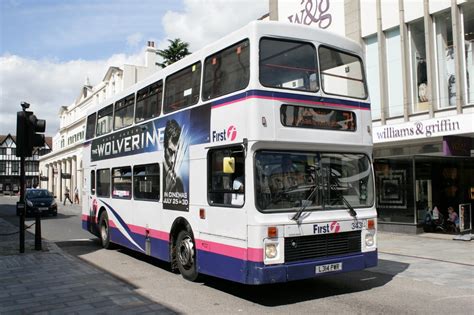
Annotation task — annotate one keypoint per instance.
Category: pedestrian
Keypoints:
(76, 195)
(66, 196)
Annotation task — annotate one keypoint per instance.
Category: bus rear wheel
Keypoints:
(186, 256)
(104, 230)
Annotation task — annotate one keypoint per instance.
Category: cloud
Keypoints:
(204, 21)
(49, 83)
(134, 39)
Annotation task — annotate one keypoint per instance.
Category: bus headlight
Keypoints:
(271, 250)
(369, 240)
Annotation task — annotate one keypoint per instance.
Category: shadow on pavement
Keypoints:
(310, 289)
(280, 293)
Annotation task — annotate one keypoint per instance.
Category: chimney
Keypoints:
(150, 55)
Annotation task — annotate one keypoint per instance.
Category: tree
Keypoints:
(176, 50)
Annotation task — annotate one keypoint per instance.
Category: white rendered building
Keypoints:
(63, 166)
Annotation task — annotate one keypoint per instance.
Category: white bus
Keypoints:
(249, 160)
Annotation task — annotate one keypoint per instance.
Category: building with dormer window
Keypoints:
(10, 165)
(63, 165)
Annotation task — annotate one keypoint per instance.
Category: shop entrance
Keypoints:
(409, 188)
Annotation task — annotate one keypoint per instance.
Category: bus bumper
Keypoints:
(260, 274)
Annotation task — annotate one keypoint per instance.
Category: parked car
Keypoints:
(40, 200)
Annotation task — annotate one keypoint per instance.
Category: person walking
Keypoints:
(66, 196)
(76, 195)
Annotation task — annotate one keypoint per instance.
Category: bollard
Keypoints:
(38, 245)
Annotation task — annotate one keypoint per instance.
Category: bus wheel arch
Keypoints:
(183, 249)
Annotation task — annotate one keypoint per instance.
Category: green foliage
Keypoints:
(176, 50)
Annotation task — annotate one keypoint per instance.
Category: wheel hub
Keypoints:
(185, 252)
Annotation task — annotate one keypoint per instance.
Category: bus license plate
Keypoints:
(329, 268)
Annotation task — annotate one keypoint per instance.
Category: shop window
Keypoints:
(468, 21)
(123, 116)
(394, 72)
(227, 71)
(146, 182)
(373, 79)
(395, 191)
(149, 101)
(122, 182)
(103, 183)
(226, 171)
(418, 65)
(182, 88)
(445, 60)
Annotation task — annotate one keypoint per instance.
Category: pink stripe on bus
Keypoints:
(152, 233)
(286, 100)
(252, 254)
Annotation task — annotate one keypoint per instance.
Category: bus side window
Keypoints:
(103, 183)
(122, 182)
(92, 182)
(226, 185)
(146, 182)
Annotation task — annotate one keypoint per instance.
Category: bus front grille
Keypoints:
(323, 245)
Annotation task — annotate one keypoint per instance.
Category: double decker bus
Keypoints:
(249, 160)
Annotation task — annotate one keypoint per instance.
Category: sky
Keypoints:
(49, 47)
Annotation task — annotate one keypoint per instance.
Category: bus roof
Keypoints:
(254, 29)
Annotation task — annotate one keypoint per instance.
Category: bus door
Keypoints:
(90, 186)
(226, 192)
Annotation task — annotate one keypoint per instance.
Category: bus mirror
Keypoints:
(228, 166)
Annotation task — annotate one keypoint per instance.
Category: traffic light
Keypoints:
(21, 134)
(28, 133)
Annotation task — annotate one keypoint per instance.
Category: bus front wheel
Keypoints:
(104, 230)
(186, 256)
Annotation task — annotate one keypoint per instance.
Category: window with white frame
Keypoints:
(468, 23)
(394, 72)
(419, 77)
(445, 60)
(373, 78)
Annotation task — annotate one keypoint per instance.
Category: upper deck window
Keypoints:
(124, 112)
(90, 127)
(288, 65)
(227, 71)
(149, 101)
(182, 88)
(341, 73)
(104, 121)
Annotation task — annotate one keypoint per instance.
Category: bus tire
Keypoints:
(104, 231)
(186, 255)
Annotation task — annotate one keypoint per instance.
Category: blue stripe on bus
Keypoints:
(290, 96)
(249, 272)
(125, 226)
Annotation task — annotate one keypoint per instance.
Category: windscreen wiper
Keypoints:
(306, 202)
(350, 208)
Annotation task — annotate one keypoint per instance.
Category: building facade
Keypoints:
(420, 72)
(63, 165)
(10, 165)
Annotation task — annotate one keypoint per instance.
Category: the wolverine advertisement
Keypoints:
(173, 135)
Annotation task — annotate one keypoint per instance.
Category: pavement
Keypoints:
(28, 287)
